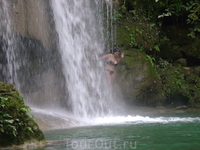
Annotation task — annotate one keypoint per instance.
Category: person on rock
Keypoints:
(111, 60)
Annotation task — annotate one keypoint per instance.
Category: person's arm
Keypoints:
(122, 56)
(103, 57)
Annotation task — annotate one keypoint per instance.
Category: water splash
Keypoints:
(79, 25)
(137, 119)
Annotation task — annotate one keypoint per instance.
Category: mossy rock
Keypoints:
(181, 85)
(134, 33)
(16, 125)
(138, 79)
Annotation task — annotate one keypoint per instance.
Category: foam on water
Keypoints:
(67, 118)
(111, 120)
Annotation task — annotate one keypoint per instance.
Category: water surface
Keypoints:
(169, 131)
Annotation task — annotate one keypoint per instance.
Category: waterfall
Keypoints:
(68, 80)
(79, 24)
(9, 64)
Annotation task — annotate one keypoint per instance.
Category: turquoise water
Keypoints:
(166, 132)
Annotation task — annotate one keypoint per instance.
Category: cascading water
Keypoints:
(36, 70)
(9, 65)
(79, 25)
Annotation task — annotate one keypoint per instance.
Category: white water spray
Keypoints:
(137, 119)
(79, 24)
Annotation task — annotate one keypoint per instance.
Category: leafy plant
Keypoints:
(6, 120)
(16, 124)
(119, 13)
(193, 7)
(180, 8)
(177, 82)
(133, 34)
(151, 59)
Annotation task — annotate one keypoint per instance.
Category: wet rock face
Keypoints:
(26, 28)
(33, 18)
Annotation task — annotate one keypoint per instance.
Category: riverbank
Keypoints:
(27, 145)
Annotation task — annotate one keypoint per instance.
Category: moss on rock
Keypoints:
(138, 79)
(181, 85)
(16, 124)
(134, 30)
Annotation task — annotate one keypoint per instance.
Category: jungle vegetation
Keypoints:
(167, 31)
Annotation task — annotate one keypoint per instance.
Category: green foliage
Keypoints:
(136, 26)
(194, 16)
(181, 8)
(185, 82)
(157, 10)
(133, 34)
(16, 124)
(7, 122)
(119, 13)
(142, 26)
(162, 64)
(151, 59)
